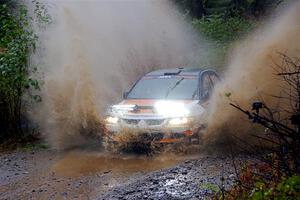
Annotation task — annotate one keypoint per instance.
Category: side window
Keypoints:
(206, 86)
(208, 82)
(214, 78)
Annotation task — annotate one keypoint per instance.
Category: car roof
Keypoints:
(179, 71)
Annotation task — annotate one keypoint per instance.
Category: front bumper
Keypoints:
(159, 130)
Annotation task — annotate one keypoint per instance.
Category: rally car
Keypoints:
(164, 106)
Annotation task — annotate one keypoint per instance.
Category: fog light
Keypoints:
(112, 120)
(178, 121)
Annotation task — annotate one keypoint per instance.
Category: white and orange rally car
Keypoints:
(164, 106)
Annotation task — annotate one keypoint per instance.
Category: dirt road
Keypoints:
(48, 174)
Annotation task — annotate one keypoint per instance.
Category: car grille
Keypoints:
(153, 122)
(149, 122)
(151, 136)
(131, 121)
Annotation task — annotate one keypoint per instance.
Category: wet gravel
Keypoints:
(30, 175)
(193, 179)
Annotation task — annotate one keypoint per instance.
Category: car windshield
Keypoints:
(165, 87)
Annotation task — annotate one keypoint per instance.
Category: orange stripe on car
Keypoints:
(170, 140)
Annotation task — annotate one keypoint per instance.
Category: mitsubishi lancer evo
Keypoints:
(164, 106)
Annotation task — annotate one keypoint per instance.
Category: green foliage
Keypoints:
(287, 189)
(221, 29)
(224, 21)
(31, 146)
(253, 8)
(42, 15)
(17, 41)
(193, 8)
(209, 186)
(263, 181)
(222, 32)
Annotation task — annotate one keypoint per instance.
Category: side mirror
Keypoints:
(125, 94)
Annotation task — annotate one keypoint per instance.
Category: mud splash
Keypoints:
(94, 50)
(252, 75)
(78, 163)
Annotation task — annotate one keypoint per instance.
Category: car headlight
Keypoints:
(112, 120)
(178, 121)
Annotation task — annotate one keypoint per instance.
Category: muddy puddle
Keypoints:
(78, 163)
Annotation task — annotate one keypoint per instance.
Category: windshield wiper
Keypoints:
(172, 88)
